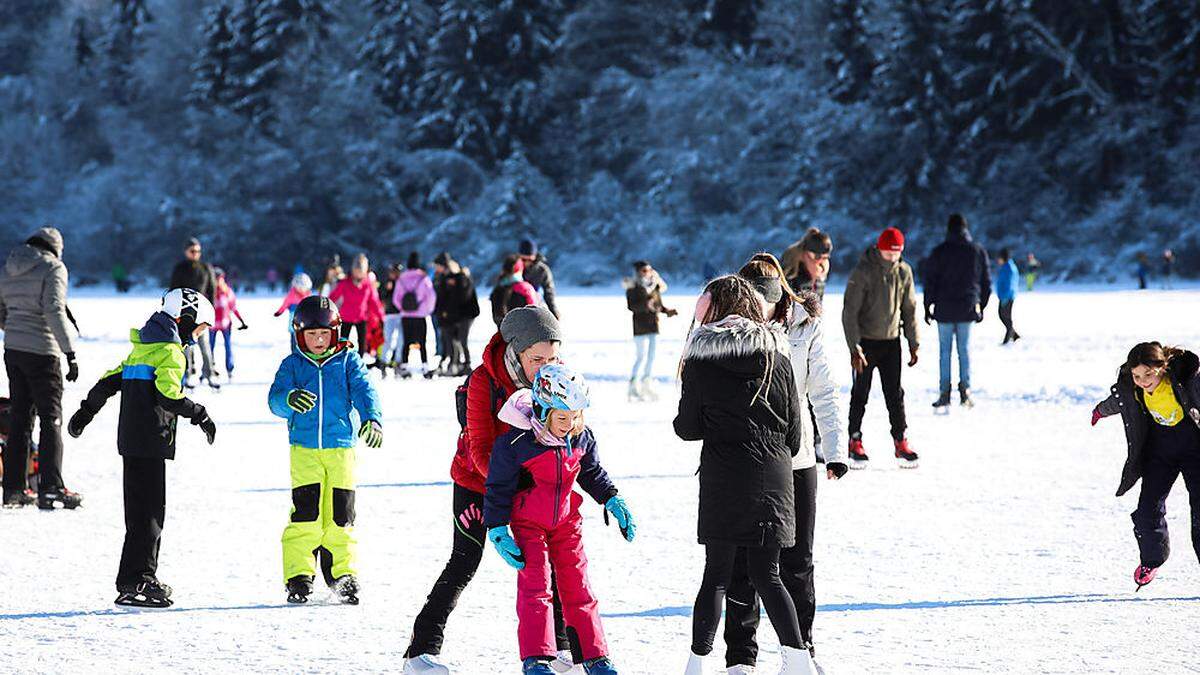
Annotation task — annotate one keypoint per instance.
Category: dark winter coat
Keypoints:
(1126, 401)
(33, 303)
(197, 275)
(456, 298)
(539, 276)
(739, 397)
(802, 281)
(386, 289)
(646, 304)
(508, 295)
(150, 382)
(958, 280)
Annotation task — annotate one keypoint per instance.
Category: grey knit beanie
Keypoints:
(526, 326)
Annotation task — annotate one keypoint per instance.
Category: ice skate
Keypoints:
(1143, 575)
(905, 457)
(19, 499)
(299, 588)
(942, 404)
(695, 665)
(536, 666)
(739, 669)
(151, 594)
(59, 498)
(964, 398)
(563, 662)
(635, 394)
(858, 456)
(647, 389)
(345, 589)
(600, 666)
(425, 664)
(797, 662)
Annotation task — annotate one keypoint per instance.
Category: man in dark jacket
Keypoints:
(192, 273)
(538, 274)
(958, 285)
(38, 332)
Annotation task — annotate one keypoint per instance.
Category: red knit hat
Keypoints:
(891, 240)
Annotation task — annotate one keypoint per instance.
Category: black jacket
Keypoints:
(957, 279)
(739, 397)
(1126, 401)
(456, 298)
(646, 304)
(803, 282)
(197, 276)
(539, 276)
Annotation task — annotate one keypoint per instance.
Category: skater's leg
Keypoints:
(1150, 517)
(46, 385)
(303, 533)
(796, 563)
(145, 510)
(651, 350)
(16, 449)
(962, 337)
(422, 339)
(360, 330)
(464, 340)
(741, 616)
(429, 627)
(1006, 319)
(860, 392)
(337, 509)
(1191, 479)
(410, 336)
(890, 370)
(535, 623)
(945, 345)
(206, 357)
(391, 336)
(639, 347)
(580, 609)
(228, 335)
(763, 565)
(706, 613)
(561, 639)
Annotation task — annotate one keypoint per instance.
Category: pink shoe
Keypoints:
(1144, 575)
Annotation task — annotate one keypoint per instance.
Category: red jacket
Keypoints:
(356, 302)
(489, 388)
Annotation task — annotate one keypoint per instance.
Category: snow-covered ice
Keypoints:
(1006, 551)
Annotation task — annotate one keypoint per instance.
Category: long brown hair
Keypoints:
(731, 294)
(767, 265)
(1151, 355)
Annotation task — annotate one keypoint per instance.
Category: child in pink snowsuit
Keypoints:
(301, 289)
(532, 472)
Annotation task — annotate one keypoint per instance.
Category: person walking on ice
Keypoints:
(1157, 395)
(1006, 294)
(958, 285)
(532, 515)
(323, 392)
(643, 296)
(880, 302)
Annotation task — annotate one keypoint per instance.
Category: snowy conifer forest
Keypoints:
(689, 132)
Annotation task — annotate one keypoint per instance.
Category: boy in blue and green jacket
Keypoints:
(320, 388)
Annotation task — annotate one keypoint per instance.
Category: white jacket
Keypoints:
(814, 383)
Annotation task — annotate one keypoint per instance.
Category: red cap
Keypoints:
(891, 240)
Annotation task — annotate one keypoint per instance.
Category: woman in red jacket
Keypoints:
(529, 338)
(358, 301)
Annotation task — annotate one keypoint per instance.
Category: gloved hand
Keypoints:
(1096, 416)
(72, 367)
(372, 434)
(206, 425)
(301, 400)
(671, 312)
(79, 422)
(616, 506)
(928, 316)
(279, 313)
(506, 546)
(912, 357)
(244, 326)
(978, 314)
(836, 470)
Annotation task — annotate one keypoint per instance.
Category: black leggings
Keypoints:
(762, 566)
(415, 331)
(360, 333)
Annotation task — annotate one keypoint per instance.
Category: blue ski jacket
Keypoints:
(343, 391)
(1006, 281)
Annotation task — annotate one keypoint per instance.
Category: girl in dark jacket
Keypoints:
(739, 397)
(456, 309)
(643, 296)
(1157, 395)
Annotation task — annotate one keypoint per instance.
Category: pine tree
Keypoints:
(214, 76)
(83, 43)
(520, 40)
(122, 45)
(396, 46)
(458, 95)
(849, 59)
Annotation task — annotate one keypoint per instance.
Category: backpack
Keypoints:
(460, 398)
(409, 301)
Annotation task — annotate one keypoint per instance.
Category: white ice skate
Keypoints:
(740, 669)
(425, 664)
(635, 394)
(797, 662)
(695, 665)
(564, 663)
(648, 393)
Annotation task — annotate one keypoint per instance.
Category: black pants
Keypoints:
(430, 625)
(145, 511)
(796, 571)
(884, 355)
(762, 567)
(415, 331)
(454, 342)
(1010, 333)
(1169, 451)
(359, 328)
(35, 384)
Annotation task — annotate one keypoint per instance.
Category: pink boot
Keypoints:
(1144, 575)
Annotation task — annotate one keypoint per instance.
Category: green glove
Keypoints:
(372, 434)
(301, 400)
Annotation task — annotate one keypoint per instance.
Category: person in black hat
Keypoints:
(537, 273)
(193, 273)
(806, 262)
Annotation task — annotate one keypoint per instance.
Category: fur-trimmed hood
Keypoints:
(734, 337)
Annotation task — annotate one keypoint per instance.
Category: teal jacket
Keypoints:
(343, 391)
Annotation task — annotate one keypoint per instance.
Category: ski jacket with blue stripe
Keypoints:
(343, 391)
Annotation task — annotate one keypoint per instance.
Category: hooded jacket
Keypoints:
(150, 381)
(814, 382)
(739, 397)
(531, 473)
(540, 277)
(33, 303)
(1006, 282)
(416, 282)
(880, 300)
(958, 279)
(456, 298)
(488, 387)
(646, 304)
(1126, 400)
(357, 302)
(343, 392)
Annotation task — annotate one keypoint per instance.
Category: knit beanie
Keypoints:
(957, 224)
(892, 239)
(526, 326)
(527, 247)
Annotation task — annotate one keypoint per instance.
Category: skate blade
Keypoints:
(905, 464)
(859, 464)
(143, 603)
(942, 410)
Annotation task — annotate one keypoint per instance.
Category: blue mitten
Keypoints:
(616, 506)
(506, 546)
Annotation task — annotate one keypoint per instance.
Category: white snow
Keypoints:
(1006, 551)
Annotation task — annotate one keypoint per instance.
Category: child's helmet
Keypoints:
(302, 282)
(189, 308)
(557, 387)
(315, 311)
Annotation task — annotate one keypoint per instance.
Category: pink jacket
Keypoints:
(292, 299)
(356, 302)
(415, 281)
(224, 308)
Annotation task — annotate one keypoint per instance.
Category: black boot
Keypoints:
(943, 400)
(299, 588)
(964, 398)
(19, 498)
(151, 593)
(60, 497)
(346, 588)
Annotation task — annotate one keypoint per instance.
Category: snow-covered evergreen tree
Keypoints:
(396, 47)
(122, 45)
(214, 75)
(849, 57)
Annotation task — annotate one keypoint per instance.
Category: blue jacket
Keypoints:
(1006, 281)
(342, 390)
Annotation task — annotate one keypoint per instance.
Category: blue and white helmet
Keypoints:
(557, 387)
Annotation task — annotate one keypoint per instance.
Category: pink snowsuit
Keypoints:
(546, 524)
(224, 309)
(293, 298)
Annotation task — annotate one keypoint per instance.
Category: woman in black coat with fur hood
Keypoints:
(739, 397)
(1157, 395)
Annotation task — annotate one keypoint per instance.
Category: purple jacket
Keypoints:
(417, 282)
